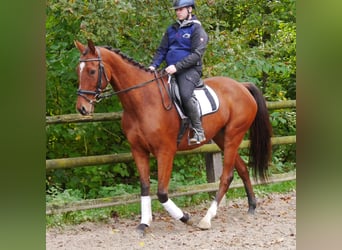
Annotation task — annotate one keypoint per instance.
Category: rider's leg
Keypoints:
(193, 112)
(187, 82)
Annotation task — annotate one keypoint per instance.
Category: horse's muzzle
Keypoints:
(85, 109)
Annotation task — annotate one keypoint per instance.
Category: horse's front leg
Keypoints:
(165, 163)
(142, 161)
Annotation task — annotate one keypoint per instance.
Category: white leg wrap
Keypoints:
(146, 210)
(173, 210)
(212, 210)
(205, 223)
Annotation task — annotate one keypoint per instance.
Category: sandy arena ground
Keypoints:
(272, 227)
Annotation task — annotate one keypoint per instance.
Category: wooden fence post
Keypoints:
(213, 164)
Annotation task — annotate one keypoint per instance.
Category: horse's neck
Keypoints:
(127, 76)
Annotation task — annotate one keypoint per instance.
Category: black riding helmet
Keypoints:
(183, 3)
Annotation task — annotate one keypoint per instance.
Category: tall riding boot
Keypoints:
(193, 112)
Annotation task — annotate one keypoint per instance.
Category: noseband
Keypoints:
(98, 91)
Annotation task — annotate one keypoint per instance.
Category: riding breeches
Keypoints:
(187, 81)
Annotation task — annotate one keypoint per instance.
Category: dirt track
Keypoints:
(272, 227)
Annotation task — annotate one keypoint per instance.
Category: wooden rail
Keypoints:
(135, 198)
(127, 157)
(99, 117)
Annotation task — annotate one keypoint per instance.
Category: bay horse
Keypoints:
(151, 124)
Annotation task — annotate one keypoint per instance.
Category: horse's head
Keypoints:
(92, 77)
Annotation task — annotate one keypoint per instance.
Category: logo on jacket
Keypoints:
(186, 35)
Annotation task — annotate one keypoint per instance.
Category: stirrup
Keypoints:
(198, 138)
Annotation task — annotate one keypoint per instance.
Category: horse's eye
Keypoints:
(92, 72)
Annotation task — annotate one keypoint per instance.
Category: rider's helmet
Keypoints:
(183, 3)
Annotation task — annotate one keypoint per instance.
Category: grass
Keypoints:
(131, 211)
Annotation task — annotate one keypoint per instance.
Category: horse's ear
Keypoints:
(91, 46)
(80, 46)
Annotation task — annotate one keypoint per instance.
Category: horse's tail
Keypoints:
(260, 136)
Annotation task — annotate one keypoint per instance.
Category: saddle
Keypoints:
(205, 96)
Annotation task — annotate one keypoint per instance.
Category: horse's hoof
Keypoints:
(204, 225)
(186, 219)
(251, 211)
(142, 229)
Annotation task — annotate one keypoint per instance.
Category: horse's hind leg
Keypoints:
(244, 174)
(230, 153)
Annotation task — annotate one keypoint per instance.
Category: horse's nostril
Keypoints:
(83, 111)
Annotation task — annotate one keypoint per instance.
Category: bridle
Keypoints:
(98, 93)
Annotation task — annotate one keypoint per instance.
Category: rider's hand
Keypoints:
(152, 68)
(171, 69)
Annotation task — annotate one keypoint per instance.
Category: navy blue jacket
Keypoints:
(182, 45)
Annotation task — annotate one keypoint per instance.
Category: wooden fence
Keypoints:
(213, 162)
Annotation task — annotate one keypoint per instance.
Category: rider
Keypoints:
(182, 47)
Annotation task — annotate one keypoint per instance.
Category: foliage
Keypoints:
(250, 40)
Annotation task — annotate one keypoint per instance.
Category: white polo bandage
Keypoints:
(146, 210)
(173, 210)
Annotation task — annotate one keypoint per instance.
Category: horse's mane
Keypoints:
(125, 57)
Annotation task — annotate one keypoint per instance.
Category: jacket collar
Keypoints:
(186, 23)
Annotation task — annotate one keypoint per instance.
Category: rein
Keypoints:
(133, 87)
(98, 93)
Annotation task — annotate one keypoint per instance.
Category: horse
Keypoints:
(151, 124)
